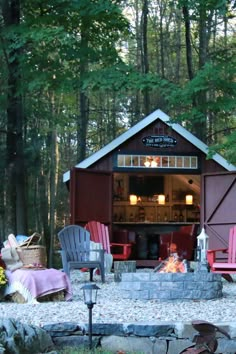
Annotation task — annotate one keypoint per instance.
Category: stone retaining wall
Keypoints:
(171, 286)
(142, 338)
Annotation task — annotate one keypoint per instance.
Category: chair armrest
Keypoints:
(101, 254)
(126, 248)
(64, 262)
(218, 250)
(211, 254)
(100, 250)
(121, 244)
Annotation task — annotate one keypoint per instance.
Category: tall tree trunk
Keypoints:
(201, 97)
(83, 99)
(178, 46)
(138, 37)
(199, 100)
(53, 182)
(15, 167)
(189, 55)
(43, 202)
(145, 62)
(162, 44)
(82, 126)
(202, 35)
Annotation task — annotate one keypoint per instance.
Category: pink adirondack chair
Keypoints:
(227, 265)
(100, 233)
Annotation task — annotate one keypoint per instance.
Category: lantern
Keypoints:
(202, 244)
(90, 299)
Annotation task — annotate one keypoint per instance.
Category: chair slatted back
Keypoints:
(188, 229)
(99, 233)
(184, 238)
(75, 242)
(232, 245)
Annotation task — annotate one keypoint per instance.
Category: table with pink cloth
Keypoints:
(32, 284)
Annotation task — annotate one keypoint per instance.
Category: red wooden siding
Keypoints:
(218, 213)
(90, 196)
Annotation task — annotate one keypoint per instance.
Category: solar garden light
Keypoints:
(202, 246)
(90, 298)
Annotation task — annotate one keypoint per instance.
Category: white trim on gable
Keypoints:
(158, 114)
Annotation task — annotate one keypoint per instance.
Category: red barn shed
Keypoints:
(165, 169)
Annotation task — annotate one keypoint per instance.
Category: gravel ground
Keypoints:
(111, 308)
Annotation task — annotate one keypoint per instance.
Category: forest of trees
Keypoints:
(76, 74)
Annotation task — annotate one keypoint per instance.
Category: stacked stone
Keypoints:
(19, 338)
(162, 338)
(171, 286)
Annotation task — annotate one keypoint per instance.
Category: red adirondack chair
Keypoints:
(100, 233)
(228, 264)
(184, 239)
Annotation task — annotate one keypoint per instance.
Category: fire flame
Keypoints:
(173, 265)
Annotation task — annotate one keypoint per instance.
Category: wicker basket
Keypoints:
(34, 254)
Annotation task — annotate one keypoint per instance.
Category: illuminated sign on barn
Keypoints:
(159, 141)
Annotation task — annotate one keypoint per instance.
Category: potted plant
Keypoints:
(3, 282)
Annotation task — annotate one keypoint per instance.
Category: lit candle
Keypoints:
(189, 199)
(133, 199)
(161, 199)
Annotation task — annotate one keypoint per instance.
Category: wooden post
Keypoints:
(123, 267)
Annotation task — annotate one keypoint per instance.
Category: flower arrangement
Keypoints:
(3, 278)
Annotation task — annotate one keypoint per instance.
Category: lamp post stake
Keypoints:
(90, 307)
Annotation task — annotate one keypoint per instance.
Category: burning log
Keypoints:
(173, 264)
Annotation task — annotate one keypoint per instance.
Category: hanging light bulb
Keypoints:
(153, 163)
(147, 163)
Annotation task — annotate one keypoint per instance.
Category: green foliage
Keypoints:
(217, 78)
(56, 38)
(122, 78)
(217, 82)
(208, 5)
(227, 146)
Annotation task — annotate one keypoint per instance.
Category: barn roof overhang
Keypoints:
(158, 114)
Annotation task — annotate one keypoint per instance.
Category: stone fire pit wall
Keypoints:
(171, 286)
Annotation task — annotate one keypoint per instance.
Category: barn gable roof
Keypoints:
(158, 114)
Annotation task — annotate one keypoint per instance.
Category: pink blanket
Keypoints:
(32, 284)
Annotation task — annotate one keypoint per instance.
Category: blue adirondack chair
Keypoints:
(76, 251)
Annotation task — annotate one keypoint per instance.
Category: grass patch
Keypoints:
(69, 350)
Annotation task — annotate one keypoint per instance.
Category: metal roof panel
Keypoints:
(158, 114)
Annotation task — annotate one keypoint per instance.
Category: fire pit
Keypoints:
(161, 285)
(172, 280)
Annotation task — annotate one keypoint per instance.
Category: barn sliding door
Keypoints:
(90, 196)
(218, 212)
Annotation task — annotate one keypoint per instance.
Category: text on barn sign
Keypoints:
(159, 141)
